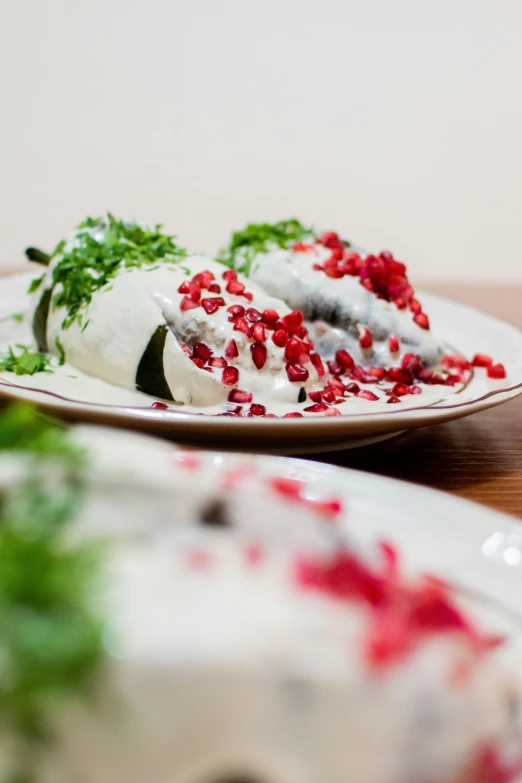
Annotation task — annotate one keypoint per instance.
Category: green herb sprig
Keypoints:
(101, 247)
(26, 362)
(50, 639)
(260, 237)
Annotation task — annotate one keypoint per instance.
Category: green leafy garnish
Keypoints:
(259, 238)
(101, 247)
(61, 350)
(50, 638)
(18, 317)
(35, 284)
(24, 363)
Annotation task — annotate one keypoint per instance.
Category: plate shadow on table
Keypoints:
(478, 457)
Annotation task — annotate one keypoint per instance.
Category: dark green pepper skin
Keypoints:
(40, 317)
(150, 375)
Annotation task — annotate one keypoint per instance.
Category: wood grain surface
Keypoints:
(479, 457)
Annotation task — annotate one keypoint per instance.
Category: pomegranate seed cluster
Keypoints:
(287, 333)
(340, 378)
(380, 274)
(402, 615)
(406, 379)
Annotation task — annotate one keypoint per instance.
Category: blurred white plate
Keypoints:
(468, 330)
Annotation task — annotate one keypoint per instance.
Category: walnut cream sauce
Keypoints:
(251, 636)
(218, 343)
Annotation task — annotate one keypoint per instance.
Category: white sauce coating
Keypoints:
(231, 669)
(123, 318)
(342, 302)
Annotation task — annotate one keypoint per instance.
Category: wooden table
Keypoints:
(479, 457)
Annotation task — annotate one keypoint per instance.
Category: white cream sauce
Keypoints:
(290, 275)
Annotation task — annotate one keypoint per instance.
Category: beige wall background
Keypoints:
(397, 121)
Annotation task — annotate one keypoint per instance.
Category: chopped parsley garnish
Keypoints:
(61, 350)
(35, 284)
(18, 317)
(259, 238)
(50, 637)
(24, 363)
(102, 246)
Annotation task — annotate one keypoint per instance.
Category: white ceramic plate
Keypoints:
(468, 330)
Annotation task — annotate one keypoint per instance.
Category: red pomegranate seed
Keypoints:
(231, 350)
(187, 304)
(316, 396)
(329, 239)
(496, 371)
(365, 338)
(416, 390)
(400, 390)
(258, 351)
(249, 298)
(160, 406)
(412, 362)
(422, 320)
(293, 350)
(234, 287)
(204, 279)
(300, 247)
(318, 408)
(377, 372)
(318, 268)
(280, 338)
(257, 410)
(254, 553)
(415, 306)
(198, 362)
(400, 303)
(237, 395)
(393, 343)
(400, 375)
(186, 349)
(328, 396)
(296, 373)
(353, 388)
(192, 289)
(293, 415)
(393, 399)
(333, 271)
(217, 361)
(365, 394)
(336, 384)
(318, 364)
(332, 412)
(214, 288)
(211, 305)
(230, 274)
(293, 320)
(300, 332)
(343, 358)
(230, 377)
(335, 368)
(481, 360)
(236, 311)
(253, 315)
(202, 351)
(270, 318)
(241, 325)
(258, 332)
